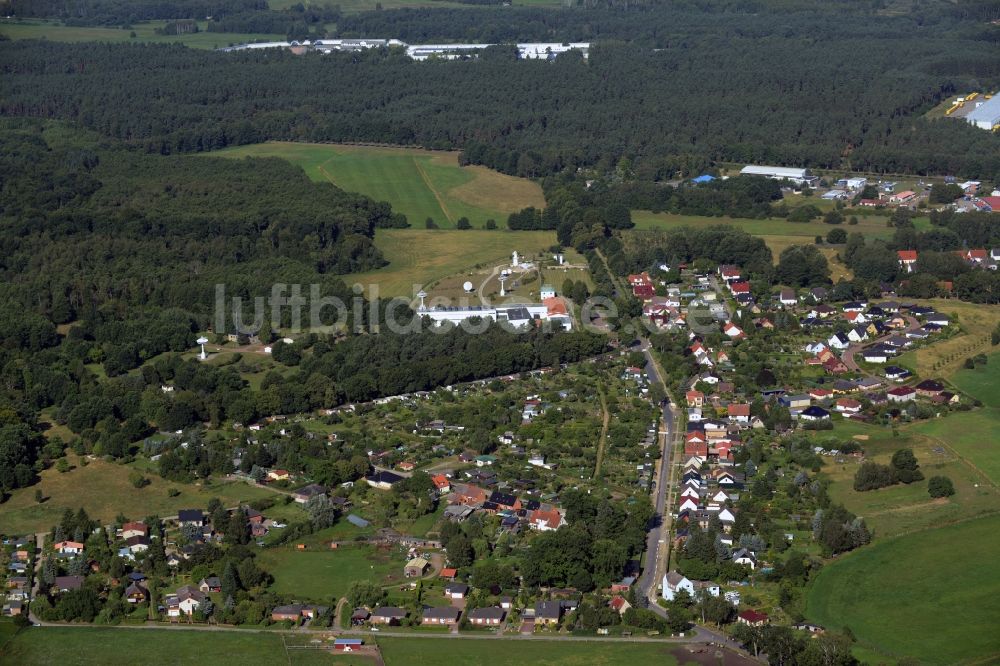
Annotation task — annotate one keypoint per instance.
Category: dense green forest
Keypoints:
(670, 89)
(123, 12)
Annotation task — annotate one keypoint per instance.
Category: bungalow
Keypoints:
(875, 354)
(848, 406)
(416, 567)
(306, 493)
(383, 480)
(485, 461)
(788, 298)
(132, 529)
(619, 604)
(901, 394)
(490, 616)
(456, 590)
(938, 319)
(896, 374)
(733, 331)
(440, 615)
(819, 394)
(814, 413)
(68, 547)
(387, 615)
(904, 197)
(907, 259)
(293, 612)
(68, 583)
(752, 618)
(548, 612)
(191, 517)
(929, 388)
(278, 475)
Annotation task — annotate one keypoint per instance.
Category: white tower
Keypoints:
(516, 261)
(422, 295)
(202, 341)
(503, 278)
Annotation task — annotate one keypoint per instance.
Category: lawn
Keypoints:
(104, 490)
(82, 646)
(319, 574)
(418, 183)
(420, 257)
(427, 652)
(933, 595)
(906, 508)
(983, 382)
(973, 435)
(145, 32)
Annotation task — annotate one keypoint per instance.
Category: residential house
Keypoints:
(390, 615)
(133, 529)
(307, 492)
(548, 612)
(848, 406)
(67, 583)
(901, 394)
(383, 480)
(441, 483)
(814, 413)
(440, 615)
(68, 547)
(897, 374)
(839, 341)
(619, 604)
(456, 590)
(191, 517)
(295, 612)
(489, 616)
(797, 401)
(788, 298)
(278, 475)
(907, 259)
(695, 398)
(745, 557)
(136, 593)
(184, 602)
(739, 412)
(546, 519)
(210, 584)
(752, 618)
(929, 388)
(673, 582)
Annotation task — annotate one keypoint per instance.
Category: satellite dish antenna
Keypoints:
(467, 287)
(422, 295)
(202, 341)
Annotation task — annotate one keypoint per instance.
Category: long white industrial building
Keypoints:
(987, 115)
(797, 176)
(526, 51)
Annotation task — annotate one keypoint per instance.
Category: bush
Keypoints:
(940, 486)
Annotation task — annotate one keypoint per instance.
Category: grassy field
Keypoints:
(85, 646)
(418, 256)
(104, 490)
(872, 226)
(427, 652)
(906, 508)
(144, 32)
(945, 358)
(322, 575)
(973, 435)
(933, 595)
(982, 382)
(418, 183)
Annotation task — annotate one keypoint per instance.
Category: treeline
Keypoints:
(678, 108)
(125, 12)
(297, 22)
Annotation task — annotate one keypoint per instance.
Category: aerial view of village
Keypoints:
(570, 332)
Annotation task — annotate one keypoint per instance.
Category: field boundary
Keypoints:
(430, 186)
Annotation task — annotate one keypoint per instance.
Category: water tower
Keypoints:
(503, 278)
(202, 341)
(422, 295)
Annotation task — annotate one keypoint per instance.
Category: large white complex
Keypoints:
(518, 315)
(797, 176)
(527, 51)
(987, 115)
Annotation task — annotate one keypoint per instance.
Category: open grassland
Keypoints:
(104, 490)
(321, 574)
(945, 358)
(83, 646)
(972, 435)
(421, 257)
(983, 382)
(933, 595)
(906, 508)
(427, 652)
(418, 183)
(872, 226)
(144, 32)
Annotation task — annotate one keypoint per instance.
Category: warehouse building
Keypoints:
(987, 115)
(797, 176)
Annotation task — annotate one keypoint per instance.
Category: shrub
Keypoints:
(940, 486)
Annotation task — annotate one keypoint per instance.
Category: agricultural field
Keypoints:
(982, 382)
(104, 490)
(144, 32)
(419, 183)
(972, 435)
(427, 652)
(83, 646)
(945, 358)
(872, 226)
(932, 595)
(321, 574)
(903, 508)
(421, 257)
